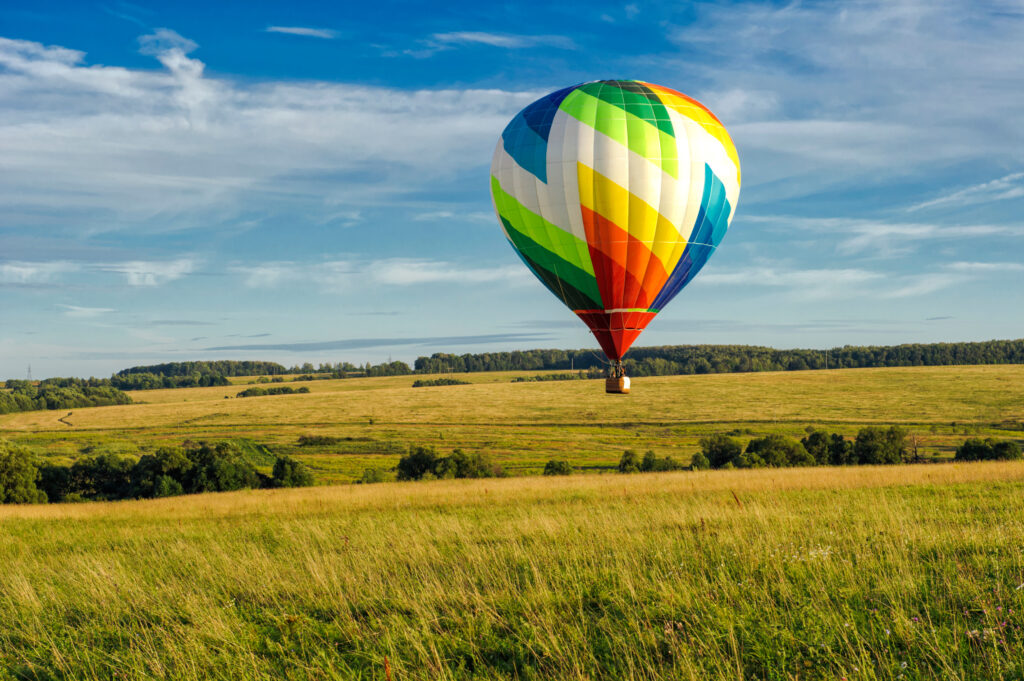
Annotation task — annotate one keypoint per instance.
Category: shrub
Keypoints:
(975, 449)
(160, 474)
(462, 465)
(372, 475)
(779, 451)
(817, 445)
(840, 450)
(18, 475)
(877, 445)
(699, 462)
(218, 468)
(317, 440)
(652, 464)
(427, 382)
(629, 463)
(720, 449)
(102, 478)
(417, 463)
(289, 472)
(557, 467)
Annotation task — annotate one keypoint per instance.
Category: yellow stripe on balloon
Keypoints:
(634, 215)
(697, 113)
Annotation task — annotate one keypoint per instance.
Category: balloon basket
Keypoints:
(617, 385)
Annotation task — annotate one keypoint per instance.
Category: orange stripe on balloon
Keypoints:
(627, 274)
(694, 110)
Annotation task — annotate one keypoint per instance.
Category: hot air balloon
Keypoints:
(615, 193)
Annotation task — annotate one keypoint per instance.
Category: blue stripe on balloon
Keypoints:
(526, 147)
(708, 229)
(541, 113)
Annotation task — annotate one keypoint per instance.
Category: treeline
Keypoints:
(227, 367)
(277, 390)
(874, 445)
(59, 393)
(707, 359)
(170, 471)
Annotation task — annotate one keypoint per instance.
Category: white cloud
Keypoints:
(408, 272)
(85, 312)
(848, 283)
(982, 267)
(920, 285)
(860, 90)
(1007, 187)
(150, 272)
(303, 31)
(14, 272)
(339, 275)
(503, 40)
(884, 238)
(157, 150)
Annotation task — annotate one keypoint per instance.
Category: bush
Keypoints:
(417, 463)
(629, 463)
(372, 475)
(817, 445)
(779, 451)
(877, 445)
(557, 467)
(699, 462)
(720, 449)
(289, 472)
(427, 382)
(18, 475)
(975, 449)
(652, 464)
(462, 465)
(317, 440)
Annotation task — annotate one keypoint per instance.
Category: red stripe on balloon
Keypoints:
(628, 274)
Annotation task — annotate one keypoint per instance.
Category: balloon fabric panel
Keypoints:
(615, 194)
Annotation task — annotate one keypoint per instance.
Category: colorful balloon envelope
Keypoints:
(615, 193)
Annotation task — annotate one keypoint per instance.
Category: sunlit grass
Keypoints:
(808, 573)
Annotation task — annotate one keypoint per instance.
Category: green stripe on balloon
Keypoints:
(552, 237)
(640, 105)
(574, 287)
(643, 137)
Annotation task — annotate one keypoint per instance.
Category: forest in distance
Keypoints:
(668, 360)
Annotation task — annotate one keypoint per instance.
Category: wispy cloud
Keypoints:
(882, 237)
(984, 267)
(1007, 187)
(504, 40)
(158, 150)
(439, 42)
(303, 31)
(823, 284)
(341, 275)
(15, 272)
(79, 312)
(150, 272)
(360, 343)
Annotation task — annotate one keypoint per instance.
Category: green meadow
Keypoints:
(896, 573)
(523, 425)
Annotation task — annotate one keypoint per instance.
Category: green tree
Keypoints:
(699, 462)
(18, 475)
(417, 463)
(779, 451)
(877, 445)
(629, 463)
(720, 449)
(816, 443)
(289, 472)
(557, 467)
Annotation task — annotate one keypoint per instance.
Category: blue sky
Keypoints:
(303, 182)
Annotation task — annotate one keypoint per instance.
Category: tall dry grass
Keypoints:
(861, 573)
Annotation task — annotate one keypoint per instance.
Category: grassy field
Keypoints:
(915, 572)
(522, 425)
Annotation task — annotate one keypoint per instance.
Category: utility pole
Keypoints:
(29, 373)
